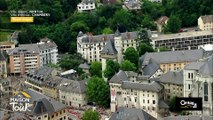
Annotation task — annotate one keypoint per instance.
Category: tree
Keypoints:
(90, 115)
(173, 25)
(143, 36)
(3, 5)
(163, 49)
(172, 104)
(70, 62)
(107, 31)
(149, 23)
(132, 55)
(96, 69)
(112, 68)
(98, 91)
(143, 48)
(128, 66)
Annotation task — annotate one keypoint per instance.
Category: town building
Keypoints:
(6, 46)
(198, 82)
(162, 21)
(48, 52)
(132, 4)
(205, 22)
(90, 47)
(157, 1)
(124, 113)
(126, 91)
(72, 93)
(189, 117)
(24, 58)
(3, 64)
(182, 41)
(86, 5)
(173, 84)
(170, 60)
(85, 67)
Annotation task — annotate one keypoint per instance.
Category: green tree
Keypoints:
(128, 66)
(90, 115)
(70, 62)
(143, 48)
(3, 5)
(132, 55)
(96, 69)
(98, 91)
(163, 49)
(173, 25)
(148, 22)
(143, 36)
(107, 31)
(172, 104)
(112, 67)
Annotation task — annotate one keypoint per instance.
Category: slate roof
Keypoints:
(172, 77)
(117, 33)
(122, 76)
(46, 43)
(72, 86)
(3, 55)
(207, 18)
(194, 65)
(84, 66)
(207, 68)
(88, 1)
(150, 68)
(198, 117)
(25, 49)
(162, 20)
(163, 104)
(103, 38)
(109, 48)
(153, 86)
(172, 56)
(124, 113)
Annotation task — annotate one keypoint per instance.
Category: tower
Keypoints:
(118, 46)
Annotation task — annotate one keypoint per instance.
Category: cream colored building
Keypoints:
(161, 22)
(198, 82)
(7, 46)
(72, 93)
(172, 60)
(86, 5)
(205, 22)
(126, 91)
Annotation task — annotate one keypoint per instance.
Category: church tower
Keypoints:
(118, 46)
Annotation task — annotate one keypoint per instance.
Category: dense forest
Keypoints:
(65, 22)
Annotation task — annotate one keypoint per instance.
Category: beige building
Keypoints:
(205, 22)
(72, 93)
(171, 60)
(126, 91)
(24, 58)
(161, 22)
(7, 46)
(3, 64)
(173, 84)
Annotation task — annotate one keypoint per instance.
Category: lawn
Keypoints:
(4, 36)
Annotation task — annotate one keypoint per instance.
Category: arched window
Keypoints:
(205, 91)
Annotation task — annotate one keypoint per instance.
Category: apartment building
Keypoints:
(205, 22)
(72, 93)
(126, 91)
(173, 84)
(6, 46)
(86, 5)
(198, 82)
(24, 58)
(48, 51)
(3, 64)
(170, 60)
(182, 41)
(90, 46)
(157, 1)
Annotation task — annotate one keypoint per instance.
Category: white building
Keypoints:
(205, 22)
(198, 82)
(126, 91)
(157, 1)
(48, 52)
(86, 5)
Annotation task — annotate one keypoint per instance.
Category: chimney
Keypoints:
(105, 37)
(128, 35)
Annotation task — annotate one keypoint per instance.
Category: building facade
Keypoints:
(48, 52)
(198, 82)
(24, 58)
(86, 5)
(90, 46)
(161, 22)
(126, 91)
(7, 46)
(182, 41)
(205, 22)
(3, 64)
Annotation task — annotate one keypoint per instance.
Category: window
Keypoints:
(188, 75)
(148, 101)
(205, 91)
(124, 99)
(192, 75)
(153, 108)
(189, 86)
(143, 101)
(153, 101)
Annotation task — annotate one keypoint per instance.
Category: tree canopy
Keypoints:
(143, 48)
(96, 69)
(128, 66)
(112, 67)
(90, 115)
(173, 25)
(132, 55)
(98, 91)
